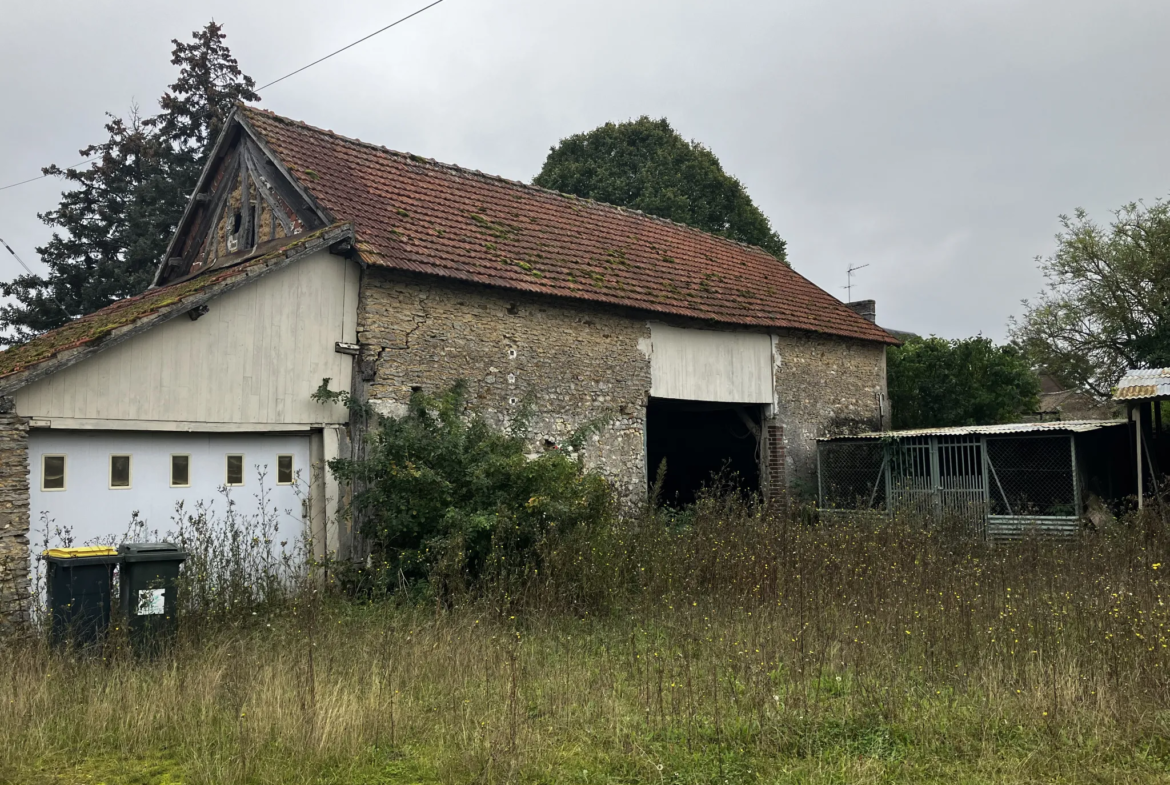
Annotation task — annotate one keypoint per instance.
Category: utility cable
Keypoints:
(270, 84)
(350, 46)
(43, 176)
(30, 272)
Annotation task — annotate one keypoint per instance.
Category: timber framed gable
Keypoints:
(245, 203)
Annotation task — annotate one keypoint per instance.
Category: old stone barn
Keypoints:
(306, 255)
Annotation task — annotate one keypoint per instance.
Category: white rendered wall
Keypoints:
(710, 365)
(255, 357)
(95, 512)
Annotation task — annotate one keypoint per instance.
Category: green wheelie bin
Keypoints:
(149, 592)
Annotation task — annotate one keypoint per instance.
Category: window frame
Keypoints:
(64, 471)
(129, 471)
(292, 468)
(172, 469)
(227, 472)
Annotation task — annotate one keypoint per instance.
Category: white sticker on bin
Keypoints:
(151, 602)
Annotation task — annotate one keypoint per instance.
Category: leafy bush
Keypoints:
(935, 383)
(443, 495)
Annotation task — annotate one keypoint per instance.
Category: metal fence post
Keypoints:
(820, 478)
(888, 462)
(935, 479)
(986, 486)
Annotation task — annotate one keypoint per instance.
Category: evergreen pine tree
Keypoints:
(113, 228)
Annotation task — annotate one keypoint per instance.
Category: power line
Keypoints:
(270, 84)
(43, 176)
(350, 46)
(30, 272)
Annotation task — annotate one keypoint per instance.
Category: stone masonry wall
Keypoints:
(579, 362)
(14, 520)
(825, 386)
(583, 361)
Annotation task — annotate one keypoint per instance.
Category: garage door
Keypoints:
(93, 486)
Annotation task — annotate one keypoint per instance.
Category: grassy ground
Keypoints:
(735, 649)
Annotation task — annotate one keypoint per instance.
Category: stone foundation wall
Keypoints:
(14, 520)
(825, 386)
(579, 362)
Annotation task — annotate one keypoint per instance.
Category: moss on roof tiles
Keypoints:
(366, 183)
(92, 328)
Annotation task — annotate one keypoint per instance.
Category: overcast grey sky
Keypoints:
(935, 140)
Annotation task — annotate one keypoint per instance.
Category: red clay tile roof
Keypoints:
(413, 214)
(90, 329)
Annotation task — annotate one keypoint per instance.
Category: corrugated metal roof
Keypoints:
(1143, 384)
(1065, 426)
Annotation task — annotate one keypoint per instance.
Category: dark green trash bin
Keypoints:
(79, 583)
(149, 587)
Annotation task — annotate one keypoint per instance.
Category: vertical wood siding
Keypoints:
(255, 357)
(710, 365)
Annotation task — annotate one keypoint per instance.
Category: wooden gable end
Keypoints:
(244, 204)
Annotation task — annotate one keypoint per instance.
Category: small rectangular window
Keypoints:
(180, 471)
(52, 472)
(284, 470)
(235, 470)
(119, 471)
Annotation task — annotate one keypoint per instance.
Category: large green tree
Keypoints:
(112, 228)
(646, 165)
(936, 383)
(1106, 305)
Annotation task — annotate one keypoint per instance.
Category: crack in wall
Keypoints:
(418, 323)
(409, 333)
(370, 364)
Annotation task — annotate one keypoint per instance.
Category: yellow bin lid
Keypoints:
(81, 553)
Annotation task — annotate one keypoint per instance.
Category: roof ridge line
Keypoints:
(694, 244)
(518, 183)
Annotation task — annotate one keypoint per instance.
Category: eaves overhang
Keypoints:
(81, 338)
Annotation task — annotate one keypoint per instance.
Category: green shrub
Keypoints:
(443, 496)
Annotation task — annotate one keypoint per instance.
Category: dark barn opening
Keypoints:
(700, 442)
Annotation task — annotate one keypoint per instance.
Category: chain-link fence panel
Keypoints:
(852, 475)
(1032, 477)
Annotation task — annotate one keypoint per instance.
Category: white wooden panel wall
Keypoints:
(95, 512)
(255, 357)
(709, 365)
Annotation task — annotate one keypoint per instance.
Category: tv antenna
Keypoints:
(848, 287)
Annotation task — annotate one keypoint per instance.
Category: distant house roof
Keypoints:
(1143, 384)
(901, 335)
(1001, 429)
(81, 337)
(1073, 404)
(416, 215)
(1057, 402)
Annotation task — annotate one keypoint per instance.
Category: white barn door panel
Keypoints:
(710, 365)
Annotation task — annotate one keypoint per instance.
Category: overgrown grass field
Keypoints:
(732, 645)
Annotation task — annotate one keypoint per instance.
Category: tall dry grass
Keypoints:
(726, 645)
